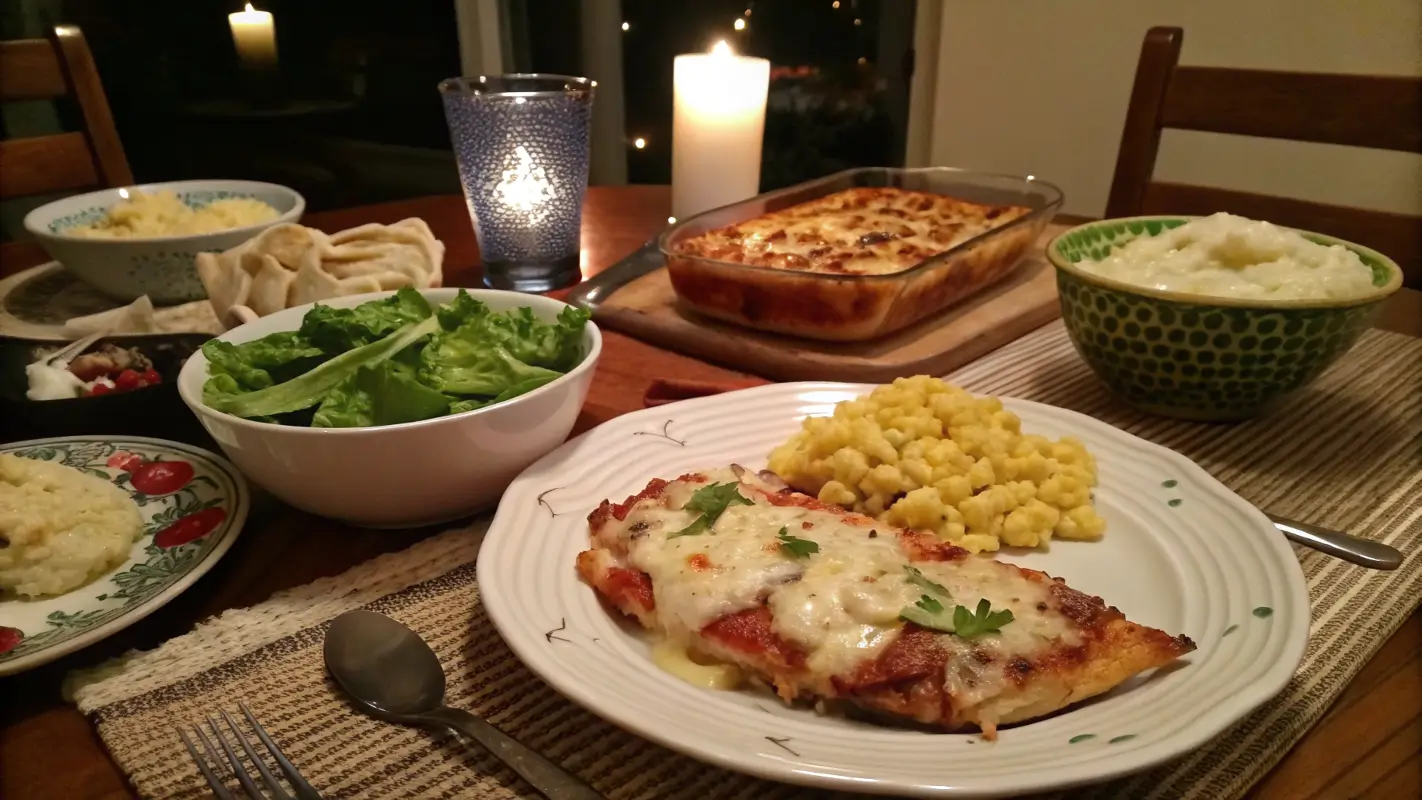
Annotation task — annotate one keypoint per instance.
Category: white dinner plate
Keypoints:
(1181, 553)
(192, 508)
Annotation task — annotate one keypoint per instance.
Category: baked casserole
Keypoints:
(853, 264)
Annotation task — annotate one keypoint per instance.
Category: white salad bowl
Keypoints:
(409, 474)
(161, 267)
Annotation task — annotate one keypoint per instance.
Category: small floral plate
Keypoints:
(193, 505)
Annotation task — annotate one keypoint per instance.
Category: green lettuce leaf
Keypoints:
(557, 346)
(312, 387)
(336, 330)
(384, 394)
(460, 310)
(455, 363)
(263, 362)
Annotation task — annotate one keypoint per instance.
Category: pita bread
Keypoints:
(290, 265)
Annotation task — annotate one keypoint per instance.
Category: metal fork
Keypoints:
(233, 763)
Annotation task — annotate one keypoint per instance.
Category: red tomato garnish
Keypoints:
(161, 477)
(100, 388)
(150, 376)
(10, 638)
(126, 380)
(193, 526)
(124, 460)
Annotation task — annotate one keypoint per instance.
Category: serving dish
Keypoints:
(857, 307)
(149, 411)
(1181, 553)
(161, 267)
(407, 474)
(1195, 356)
(188, 526)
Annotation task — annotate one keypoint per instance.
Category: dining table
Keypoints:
(1369, 744)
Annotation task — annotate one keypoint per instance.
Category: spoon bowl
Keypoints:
(384, 665)
(390, 673)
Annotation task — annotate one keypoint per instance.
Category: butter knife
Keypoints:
(595, 290)
(1353, 549)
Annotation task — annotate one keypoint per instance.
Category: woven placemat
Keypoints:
(1346, 453)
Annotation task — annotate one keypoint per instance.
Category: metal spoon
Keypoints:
(1350, 548)
(391, 674)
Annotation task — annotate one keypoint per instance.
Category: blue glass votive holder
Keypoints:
(521, 142)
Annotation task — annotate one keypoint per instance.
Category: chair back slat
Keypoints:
(40, 164)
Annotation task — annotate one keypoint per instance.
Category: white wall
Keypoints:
(1041, 87)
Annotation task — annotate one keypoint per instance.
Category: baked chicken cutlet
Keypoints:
(824, 604)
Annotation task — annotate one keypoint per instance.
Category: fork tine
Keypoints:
(232, 760)
(304, 790)
(278, 792)
(217, 786)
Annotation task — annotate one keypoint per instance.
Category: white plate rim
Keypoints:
(240, 506)
(499, 607)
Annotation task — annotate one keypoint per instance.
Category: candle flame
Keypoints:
(721, 49)
(249, 8)
(525, 186)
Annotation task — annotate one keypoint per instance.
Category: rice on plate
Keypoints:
(60, 528)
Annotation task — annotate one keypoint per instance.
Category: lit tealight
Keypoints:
(639, 143)
(740, 25)
(626, 26)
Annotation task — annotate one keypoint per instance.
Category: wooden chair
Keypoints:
(1381, 112)
(45, 69)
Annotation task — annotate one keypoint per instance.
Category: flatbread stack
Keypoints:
(290, 265)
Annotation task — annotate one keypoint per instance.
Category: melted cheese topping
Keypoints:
(672, 657)
(841, 604)
(856, 231)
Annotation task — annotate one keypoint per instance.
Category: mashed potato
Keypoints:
(1227, 256)
(144, 216)
(926, 455)
(60, 528)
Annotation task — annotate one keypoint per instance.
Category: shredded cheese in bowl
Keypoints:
(1223, 255)
(146, 216)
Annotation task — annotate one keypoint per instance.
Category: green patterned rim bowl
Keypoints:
(161, 267)
(1200, 357)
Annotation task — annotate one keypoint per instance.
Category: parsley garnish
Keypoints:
(711, 501)
(916, 577)
(985, 620)
(697, 526)
(794, 546)
(937, 612)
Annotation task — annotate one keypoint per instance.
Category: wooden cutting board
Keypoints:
(647, 308)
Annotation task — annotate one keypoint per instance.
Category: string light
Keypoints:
(671, 220)
(748, 12)
(626, 26)
(639, 143)
(740, 25)
(835, 4)
(863, 61)
(858, 22)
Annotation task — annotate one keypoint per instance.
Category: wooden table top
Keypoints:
(1369, 745)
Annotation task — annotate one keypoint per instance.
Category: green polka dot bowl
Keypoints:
(1201, 357)
(164, 267)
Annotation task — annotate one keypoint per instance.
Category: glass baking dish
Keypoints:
(848, 308)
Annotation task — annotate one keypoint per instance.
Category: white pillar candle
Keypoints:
(718, 120)
(254, 34)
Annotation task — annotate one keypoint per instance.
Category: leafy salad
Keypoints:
(397, 359)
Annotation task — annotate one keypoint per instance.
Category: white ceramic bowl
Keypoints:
(396, 476)
(161, 267)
